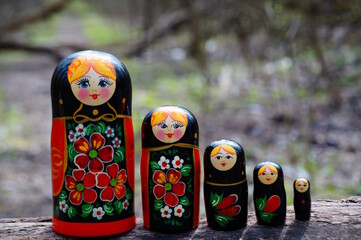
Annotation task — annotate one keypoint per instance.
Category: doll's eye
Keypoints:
(177, 125)
(228, 157)
(272, 173)
(84, 84)
(163, 125)
(263, 174)
(102, 83)
(218, 157)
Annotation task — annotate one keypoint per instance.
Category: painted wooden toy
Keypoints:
(92, 146)
(170, 170)
(225, 185)
(269, 194)
(302, 199)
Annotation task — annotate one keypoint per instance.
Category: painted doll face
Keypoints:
(301, 185)
(93, 89)
(169, 130)
(223, 160)
(267, 174)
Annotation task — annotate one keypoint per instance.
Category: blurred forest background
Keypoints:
(282, 78)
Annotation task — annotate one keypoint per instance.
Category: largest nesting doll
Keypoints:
(170, 170)
(92, 146)
(225, 185)
(269, 194)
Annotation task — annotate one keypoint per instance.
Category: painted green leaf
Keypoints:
(173, 222)
(221, 220)
(63, 195)
(108, 209)
(72, 212)
(261, 203)
(102, 126)
(178, 223)
(86, 210)
(119, 155)
(154, 165)
(71, 151)
(118, 206)
(267, 216)
(185, 169)
(215, 199)
(57, 212)
(97, 128)
(128, 194)
(89, 129)
(118, 129)
(184, 201)
(158, 204)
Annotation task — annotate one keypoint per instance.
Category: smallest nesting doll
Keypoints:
(269, 194)
(302, 199)
(225, 185)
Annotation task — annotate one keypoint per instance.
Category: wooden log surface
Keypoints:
(330, 219)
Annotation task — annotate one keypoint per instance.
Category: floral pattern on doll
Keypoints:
(169, 187)
(94, 177)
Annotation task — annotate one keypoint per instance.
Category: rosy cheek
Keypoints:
(105, 93)
(160, 134)
(178, 133)
(83, 94)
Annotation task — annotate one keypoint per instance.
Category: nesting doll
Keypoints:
(92, 146)
(170, 170)
(225, 185)
(302, 199)
(269, 194)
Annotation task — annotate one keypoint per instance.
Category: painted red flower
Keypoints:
(94, 154)
(112, 182)
(79, 185)
(168, 186)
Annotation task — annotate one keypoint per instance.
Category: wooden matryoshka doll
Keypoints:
(170, 170)
(269, 194)
(225, 185)
(92, 146)
(302, 199)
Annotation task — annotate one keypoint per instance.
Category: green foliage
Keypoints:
(215, 199)
(86, 210)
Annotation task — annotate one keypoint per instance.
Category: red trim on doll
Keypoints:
(129, 150)
(75, 229)
(59, 155)
(144, 172)
(197, 175)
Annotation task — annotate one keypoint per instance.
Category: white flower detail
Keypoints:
(72, 136)
(125, 204)
(79, 130)
(177, 162)
(166, 211)
(178, 210)
(116, 142)
(109, 132)
(163, 163)
(98, 213)
(63, 206)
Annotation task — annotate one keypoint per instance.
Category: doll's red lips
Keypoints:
(268, 179)
(169, 135)
(301, 188)
(94, 96)
(223, 164)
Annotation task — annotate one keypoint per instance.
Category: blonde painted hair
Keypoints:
(162, 113)
(82, 64)
(301, 180)
(225, 147)
(270, 167)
